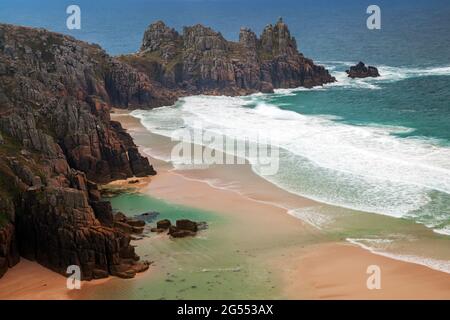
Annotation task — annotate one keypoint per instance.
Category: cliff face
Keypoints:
(56, 141)
(200, 60)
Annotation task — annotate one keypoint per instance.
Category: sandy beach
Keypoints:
(304, 262)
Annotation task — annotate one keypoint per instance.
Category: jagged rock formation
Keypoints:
(361, 71)
(57, 142)
(182, 228)
(200, 60)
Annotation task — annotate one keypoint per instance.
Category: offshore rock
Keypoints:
(202, 61)
(361, 71)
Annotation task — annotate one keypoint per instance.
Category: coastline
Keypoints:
(309, 272)
(303, 262)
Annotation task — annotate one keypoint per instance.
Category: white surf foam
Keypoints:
(436, 264)
(445, 230)
(311, 216)
(359, 167)
(388, 74)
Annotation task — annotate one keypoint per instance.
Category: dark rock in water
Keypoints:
(180, 233)
(128, 225)
(182, 228)
(119, 216)
(163, 224)
(138, 230)
(148, 217)
(185, 224)
(361, 71)
(136, 223)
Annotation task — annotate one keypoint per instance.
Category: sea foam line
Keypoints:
(435, 264)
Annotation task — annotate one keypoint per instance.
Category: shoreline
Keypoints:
(432, 284)
(304, 262)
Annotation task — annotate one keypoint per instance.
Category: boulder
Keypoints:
(186, 224)
(127, 224)
(136, 223)
(361, 71)
(163, 224)
(137, 230)
(180, 233)
(186, 228)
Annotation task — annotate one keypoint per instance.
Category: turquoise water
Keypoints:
(374, 145)
(133, 204)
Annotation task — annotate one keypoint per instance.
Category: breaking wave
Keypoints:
(364, 168)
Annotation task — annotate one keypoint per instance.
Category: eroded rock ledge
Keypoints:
(360, 70)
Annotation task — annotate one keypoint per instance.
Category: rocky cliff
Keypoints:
(200, 60)
(56, 142)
